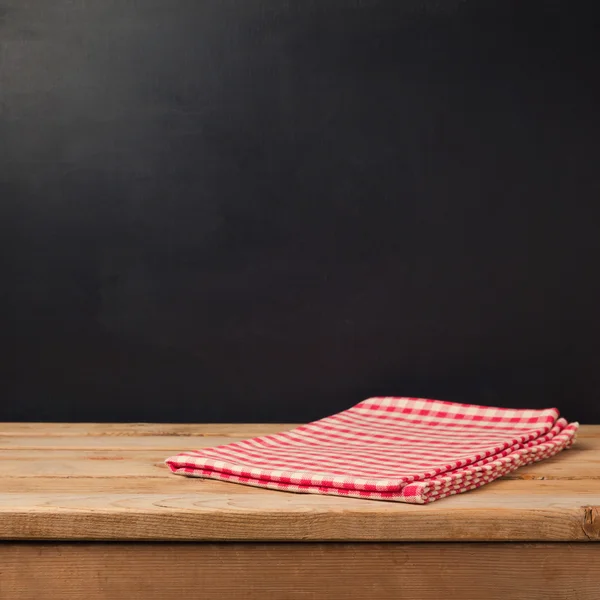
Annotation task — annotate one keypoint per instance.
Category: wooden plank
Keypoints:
(586, 431)
(171, 429)
(562, 490)
(171, 444)
(583, 464)
(116, 487)
(74, 463)
(165, 443)
(582, 461)
(210, 510)
(299, 571)
(142, 429)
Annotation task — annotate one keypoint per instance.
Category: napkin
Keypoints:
(401, 449)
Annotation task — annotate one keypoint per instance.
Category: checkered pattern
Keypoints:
(402, 449)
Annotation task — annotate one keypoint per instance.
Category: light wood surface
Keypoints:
(141, 429)
(109, 482)
(300, 571)
(169, 429)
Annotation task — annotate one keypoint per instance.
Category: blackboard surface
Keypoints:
(267, 210)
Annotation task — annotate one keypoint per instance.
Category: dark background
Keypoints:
(268, 210)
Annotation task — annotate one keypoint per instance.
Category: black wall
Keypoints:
(268, 210)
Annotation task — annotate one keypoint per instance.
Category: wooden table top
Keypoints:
(109, 482)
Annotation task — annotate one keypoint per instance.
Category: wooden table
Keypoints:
(90, 511)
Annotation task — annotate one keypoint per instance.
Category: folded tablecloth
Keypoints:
(402, 449)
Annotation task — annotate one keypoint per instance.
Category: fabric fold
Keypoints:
(400, 449)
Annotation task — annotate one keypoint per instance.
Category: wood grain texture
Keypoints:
(171, 429)
(130, 462)
(187, 509)
(116, 487)
(163, 443)
(299, 571)
(504, 490)
(141, 429)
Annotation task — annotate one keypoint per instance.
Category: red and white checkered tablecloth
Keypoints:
(402, 449)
